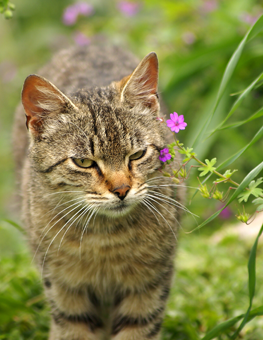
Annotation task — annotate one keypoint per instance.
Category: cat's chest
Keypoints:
(106, 260)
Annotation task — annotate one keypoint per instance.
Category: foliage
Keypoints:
(7, 8)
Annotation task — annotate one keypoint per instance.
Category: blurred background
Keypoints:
(194, 41)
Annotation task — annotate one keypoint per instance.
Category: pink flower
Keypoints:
(209, 6)
(81, 39)
(225, 214)
(248, 18)
(189, 38)
(176, 122)
(128, 8)
(164, 155)
(71, 13)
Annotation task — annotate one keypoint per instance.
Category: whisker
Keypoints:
(85, 227)
(173, 202)
(147, 206)
(51, 242)
(81, 210)
(54, 224)
(153, 198)
(62, 192)
(161, 216)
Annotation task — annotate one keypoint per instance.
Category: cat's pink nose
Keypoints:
(121, 191)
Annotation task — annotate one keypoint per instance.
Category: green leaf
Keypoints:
(208, 168)
(14, 224)
(219, 329)
(252, 32)
(188, 152)
(236, 155)
(252, 190)
(254, 116)
(249, 177)
(251, 283)
(237, 103)
(260, 202)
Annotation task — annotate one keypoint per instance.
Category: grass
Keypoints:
(210, 286)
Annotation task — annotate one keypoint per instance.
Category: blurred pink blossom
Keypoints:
(248, 18)
(189, 38)
(71, 13)
(81, 39)
(128, 8)
(209, 6)
(225, 214)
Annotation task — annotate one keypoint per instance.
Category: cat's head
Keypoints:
(97, 145)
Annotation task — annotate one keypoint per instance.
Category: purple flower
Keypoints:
(71, 13)
(128, 8)
(176, 122)
(164, 155)
(81, 39)
(225, 214)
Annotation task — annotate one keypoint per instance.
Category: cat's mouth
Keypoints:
(120, 209)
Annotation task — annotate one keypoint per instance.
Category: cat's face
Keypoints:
(97, 148)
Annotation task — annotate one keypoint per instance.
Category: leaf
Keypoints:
(227, 175)
(251, 282)
(252, 190)
(208, 168)
(188, 152)
(236, 155)
(14, 224)
(252, 32)
(238, 102)
(250, 314)
(258, 201)
(249, 177)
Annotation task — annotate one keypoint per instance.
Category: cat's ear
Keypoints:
(40, 98)
(141, 86)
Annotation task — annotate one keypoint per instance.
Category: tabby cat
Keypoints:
(100, 218)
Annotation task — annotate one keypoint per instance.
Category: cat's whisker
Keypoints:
(60, 205)
(146, 199)
(172, 185)
(42, 237)
(62, 192)
(157, 178)
(51, 242)
(172, 201)
(70, 206)
(154, 199)
(162, 200)
(96, 214)
(147, 206)
(85, 226)
(81, 210)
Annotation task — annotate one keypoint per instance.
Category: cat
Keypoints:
(101, 219)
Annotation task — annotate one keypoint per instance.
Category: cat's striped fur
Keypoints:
(104, 236)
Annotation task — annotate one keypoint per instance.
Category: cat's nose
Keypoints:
(121, 191)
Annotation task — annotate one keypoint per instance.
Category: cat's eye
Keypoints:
(137, 155)
(83, 162)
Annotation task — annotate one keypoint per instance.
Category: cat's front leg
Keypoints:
(74, 313)
(139, 316)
